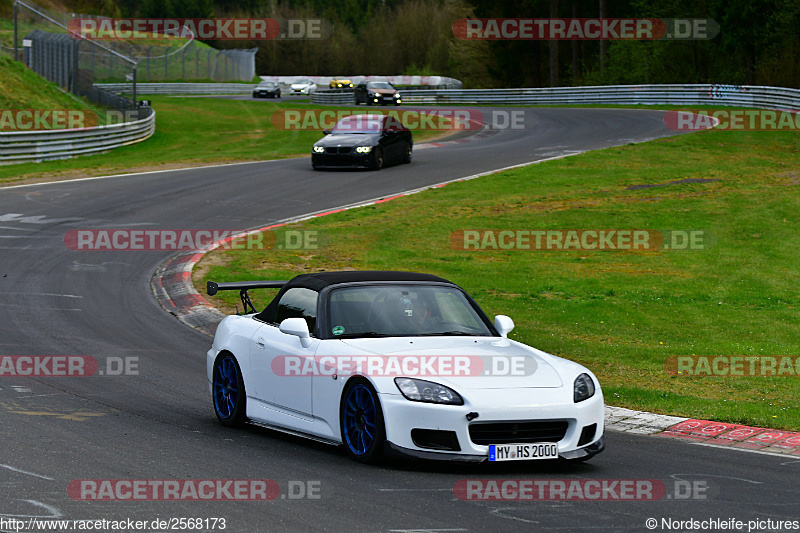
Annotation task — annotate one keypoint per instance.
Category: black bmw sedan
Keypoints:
(370, 141)
(267, 89)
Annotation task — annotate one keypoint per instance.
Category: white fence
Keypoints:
(684, 95)
(26, 146)
(179, 88)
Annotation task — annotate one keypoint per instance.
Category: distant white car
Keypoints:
(398, 363)
(303, 86)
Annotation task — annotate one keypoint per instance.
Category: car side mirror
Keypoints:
(297, 327)
(325, 132)
(503, 325)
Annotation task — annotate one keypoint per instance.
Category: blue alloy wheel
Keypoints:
(362, 422)
(228, 391)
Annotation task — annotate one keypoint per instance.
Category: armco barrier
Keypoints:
(180, 88)
(682, 95)
(245, 88)
(25, 146)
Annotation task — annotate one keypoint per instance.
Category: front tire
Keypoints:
(377, 158)
(228, 391)
(361, 421)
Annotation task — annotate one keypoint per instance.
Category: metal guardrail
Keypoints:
(244, 88)
(26, 146)
(332, 96)
(180, 88)
(684, 95)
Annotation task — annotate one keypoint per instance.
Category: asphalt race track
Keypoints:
(160, 425)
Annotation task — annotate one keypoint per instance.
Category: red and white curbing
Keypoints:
(707, 432)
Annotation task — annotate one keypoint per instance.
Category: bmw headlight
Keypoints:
(363, 149)
(584, 388)
(319, 149)
(418, 390)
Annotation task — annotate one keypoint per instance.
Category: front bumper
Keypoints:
(495, 406)
(351, 160)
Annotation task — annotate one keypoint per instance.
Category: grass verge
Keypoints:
(623, 314)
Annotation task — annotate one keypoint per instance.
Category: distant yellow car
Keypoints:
(341, 83)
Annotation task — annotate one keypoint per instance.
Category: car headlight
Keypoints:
(583, 387)
(418, 390)
(319, 149)
(397, 95)
(363, 149)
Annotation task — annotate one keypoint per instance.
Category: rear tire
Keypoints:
(407, 156)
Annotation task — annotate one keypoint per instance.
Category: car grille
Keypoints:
(518, 432)
(338, 149)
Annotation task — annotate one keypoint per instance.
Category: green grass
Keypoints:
(620, 313)
(21, 88)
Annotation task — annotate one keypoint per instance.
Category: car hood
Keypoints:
(538, 370)
(349, 139)
(300, 85)
(386, 92)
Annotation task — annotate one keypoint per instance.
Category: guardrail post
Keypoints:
(16, 56)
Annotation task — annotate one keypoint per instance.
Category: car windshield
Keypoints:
(266, 84)
(379, 85)
(398, 310)
(358, 124)
(302, 82)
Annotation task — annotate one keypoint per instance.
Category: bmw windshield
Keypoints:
(397, 310)
(358, 124)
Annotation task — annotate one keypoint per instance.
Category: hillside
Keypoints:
(21, 88)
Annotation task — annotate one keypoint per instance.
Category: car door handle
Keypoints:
(260, 343)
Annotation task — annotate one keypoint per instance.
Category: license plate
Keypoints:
(523, 452)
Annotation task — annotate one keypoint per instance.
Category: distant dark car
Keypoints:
(267, 89)
(376, 92)
(363, 141)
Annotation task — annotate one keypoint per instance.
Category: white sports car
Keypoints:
(392, 363)
(302, 86)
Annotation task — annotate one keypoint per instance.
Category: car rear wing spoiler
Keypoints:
(213, 287)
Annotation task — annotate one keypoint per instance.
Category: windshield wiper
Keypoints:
(449, 334)
(365, 334)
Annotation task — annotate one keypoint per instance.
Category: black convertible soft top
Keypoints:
(320, 280)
